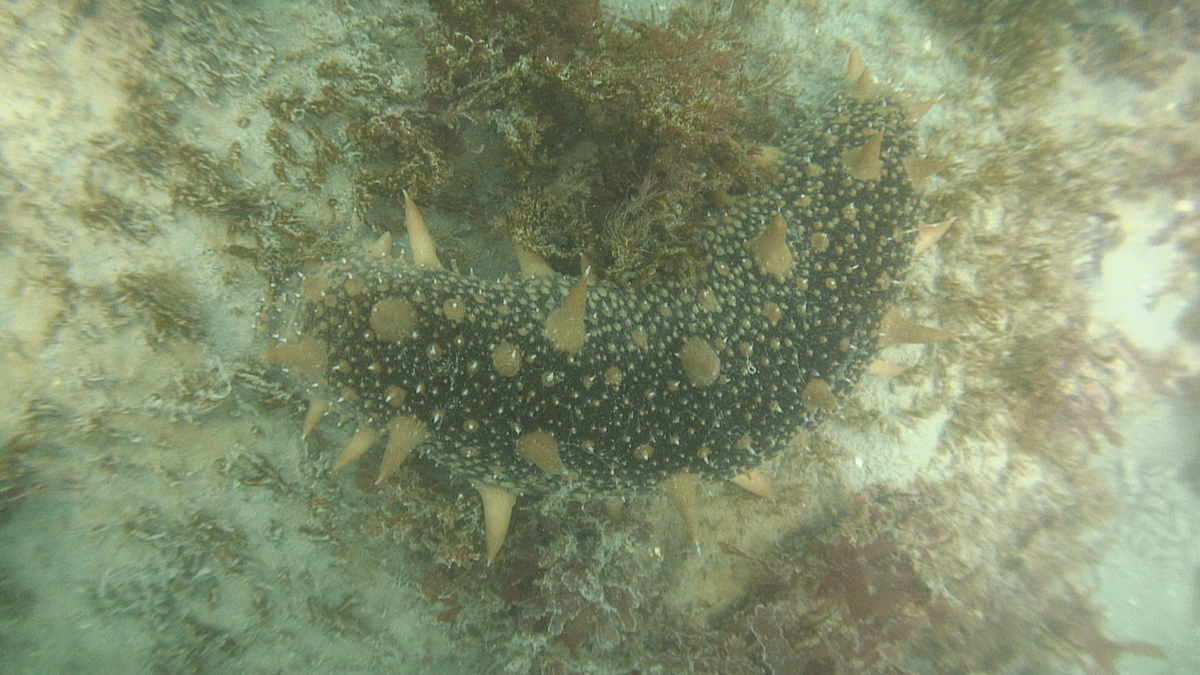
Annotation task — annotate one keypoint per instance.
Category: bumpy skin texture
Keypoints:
(710, 377)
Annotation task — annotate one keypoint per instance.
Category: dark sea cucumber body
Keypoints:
(712, 376)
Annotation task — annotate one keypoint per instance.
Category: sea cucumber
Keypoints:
(587, 386)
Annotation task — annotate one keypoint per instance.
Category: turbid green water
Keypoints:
(162, 163)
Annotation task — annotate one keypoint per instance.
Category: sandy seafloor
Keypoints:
(156, 516)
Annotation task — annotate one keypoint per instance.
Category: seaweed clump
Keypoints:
(1025, 44)
(896, 588)
(1020, 43)
(616, 135)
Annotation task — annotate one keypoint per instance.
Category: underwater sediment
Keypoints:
(714, 227)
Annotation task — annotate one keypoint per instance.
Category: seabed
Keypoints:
(1022, 498)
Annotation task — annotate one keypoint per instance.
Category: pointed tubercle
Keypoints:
(307, 355)
(766, 157)
(532, 263)
(864, 86)
(885, 368)
(928, 235)
(381, 247)
(541, 449)
(404, 435)
(921, 168)
(818, 395)
(681, 489)
(864, 162)
(772, 251)
(420, 242)
(565, 327)
(359, 443)
(755, 482)
(895, 329)
(614, 507)
(855, 67)
(497, 514)
(316, 411)
(918, 109)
